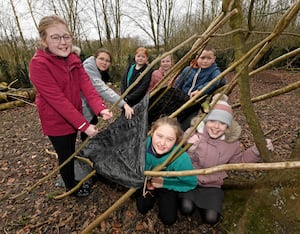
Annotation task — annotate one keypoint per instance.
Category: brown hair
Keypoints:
(45, 23)
(142, 50)
(194, 63)
(210, 48)
(169, 121)
(103, 50)
(206, 48)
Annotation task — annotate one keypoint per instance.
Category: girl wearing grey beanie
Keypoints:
(215, 142)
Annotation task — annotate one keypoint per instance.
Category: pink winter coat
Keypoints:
(59, 82)
(157, 75)
(207, 152)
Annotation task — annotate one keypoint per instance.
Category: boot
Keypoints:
(83, 191)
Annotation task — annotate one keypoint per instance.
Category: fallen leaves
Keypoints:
(23, 161)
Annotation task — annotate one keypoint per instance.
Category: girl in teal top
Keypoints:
(165, 133)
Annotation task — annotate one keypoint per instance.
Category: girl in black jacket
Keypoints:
(133, 72)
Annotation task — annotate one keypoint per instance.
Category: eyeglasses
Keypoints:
(57, 38)
(104, 60)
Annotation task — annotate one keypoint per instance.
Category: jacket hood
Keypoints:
(73, 58)
(232, 133)
(76, 50)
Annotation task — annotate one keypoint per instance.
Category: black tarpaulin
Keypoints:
(170, 102)
(118, 152)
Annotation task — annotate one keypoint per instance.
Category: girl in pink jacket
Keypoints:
(59, 77)
(166, 64)
(215, 142)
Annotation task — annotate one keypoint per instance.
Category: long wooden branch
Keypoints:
(276, 60)
(61, 196)
(227, 167)
(274, 93)
(22, 100)
(29, 189)
(111, 209)
(253, 32)
(85, 160)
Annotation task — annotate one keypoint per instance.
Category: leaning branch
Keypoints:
(227, 167)
(103, 216)
(277, 60)
(42, 180)
(274, 93)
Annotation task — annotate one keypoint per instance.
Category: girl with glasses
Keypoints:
(97, 67)
(59, 78)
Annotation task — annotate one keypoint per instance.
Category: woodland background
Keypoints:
(121, 26)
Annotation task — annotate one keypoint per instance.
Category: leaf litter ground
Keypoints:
(24, 161)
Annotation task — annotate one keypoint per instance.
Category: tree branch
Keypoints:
(227, 167)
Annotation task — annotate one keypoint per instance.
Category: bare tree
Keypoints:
(29, 3)
(168, 22)
(104, 7)
(18, 24)
(116, 11)
(97, 23)
(157, 20)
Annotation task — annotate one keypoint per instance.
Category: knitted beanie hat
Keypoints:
(222, 112)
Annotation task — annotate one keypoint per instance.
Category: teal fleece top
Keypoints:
(183, 162)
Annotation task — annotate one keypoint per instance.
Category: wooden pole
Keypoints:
(227, 167)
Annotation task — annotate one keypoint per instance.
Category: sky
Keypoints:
(29, 30)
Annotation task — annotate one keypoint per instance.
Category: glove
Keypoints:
(194, 140)
(269, 146)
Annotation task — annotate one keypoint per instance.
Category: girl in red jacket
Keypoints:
(215, 142)
(59, 78)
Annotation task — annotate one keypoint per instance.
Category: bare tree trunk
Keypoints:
(154, 10)
(188, 18)
(244, 87)
(87, 41)
(54, 7)
(97, 23)
(18, 24)
(116, 8)
(29, 3)
(167, 18)
(104, 5)
(203, 10)
(153, 23)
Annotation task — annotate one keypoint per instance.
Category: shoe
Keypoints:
(83, 191)
(59, 182)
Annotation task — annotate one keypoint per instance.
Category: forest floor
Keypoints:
(24, 161)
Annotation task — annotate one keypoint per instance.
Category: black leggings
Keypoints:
(208, 216)
(65, 147)
(167, 204)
